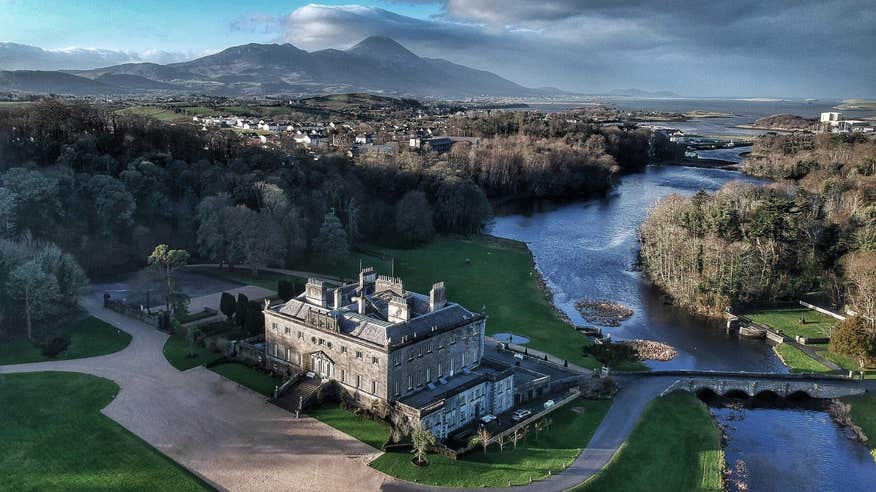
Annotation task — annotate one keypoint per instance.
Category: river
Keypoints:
(587, 249)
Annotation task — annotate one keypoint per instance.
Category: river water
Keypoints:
(587, 249)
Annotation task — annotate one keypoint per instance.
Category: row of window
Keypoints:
(359, 380)
(328, 344)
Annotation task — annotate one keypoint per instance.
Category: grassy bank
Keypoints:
(89, 337)
(253, 379)
(864, 415)
(371, 432)
(54, 437)
(797, 360)
(480, 273)
(676, 446)
(553, 450)
(787, 321)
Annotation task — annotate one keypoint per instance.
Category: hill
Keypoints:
(377, 65)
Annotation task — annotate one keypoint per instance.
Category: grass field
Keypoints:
(247, 376)
(371, 432)
(675, 447)
(89, 337)
(847, 363)
(175, 352)
(787, 320)
(797, 360)
(480, 273)
(554, 450)
(864, 414)
(54, 437)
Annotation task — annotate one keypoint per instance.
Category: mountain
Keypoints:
(641, 93)
(51, 82)
(376, 65)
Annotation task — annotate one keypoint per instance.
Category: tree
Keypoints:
(527, 429)
(255, 239)
(168, 261)
(413, 218)
(112, 205)
(8, 213)
(286, 290)
(227, 305)
(331, 242)
(861, 275)
(36, 289)
(36, 196)
(212, 234)
(854, 338)
(241, 310)
(539, 426)
(500, 440)
(422, 440)
(255, 319)
(484, 437)
(515, 436)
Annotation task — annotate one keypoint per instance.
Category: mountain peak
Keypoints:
(381, 47)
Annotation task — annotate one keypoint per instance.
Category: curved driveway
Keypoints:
(229, 436)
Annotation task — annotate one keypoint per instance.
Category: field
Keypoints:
(89, 337)
(797, 360)
(55, 438)
(253, 379)
(676, 446)
(175, 350)
(483, 273)
(787, 320)
(553, 450)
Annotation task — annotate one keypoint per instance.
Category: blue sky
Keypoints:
(738, 48)
(168, 25)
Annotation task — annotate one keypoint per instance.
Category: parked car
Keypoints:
(549, 403)
(519, 415)
(518, 355)
(486, 419)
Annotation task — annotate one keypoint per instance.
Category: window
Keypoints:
(440, 369)
(274, 326)
(429, 349)
(420, 351)
(288, 330)
(329, 345)
(322, 341)
(418, 378)
(312, 339)
(300, 334)
(397, 392)
(428, 374)
(343, 349)
(358, 354)
(358, 380)
(343, 375)
(463, 358)
(397, 359)
(452, 339)
(410, 382)
(375, 361)
(410, 354)
(373, 387)
(288, 354)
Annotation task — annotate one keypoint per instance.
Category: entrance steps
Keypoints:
(300, 394)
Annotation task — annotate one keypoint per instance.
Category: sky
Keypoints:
(737, 48)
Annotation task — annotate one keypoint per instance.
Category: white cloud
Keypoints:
(15, 56)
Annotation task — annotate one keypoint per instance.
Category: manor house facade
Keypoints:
(420, 354)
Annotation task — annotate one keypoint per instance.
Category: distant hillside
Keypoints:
(784, 122)
(52, 83)
(375, 65)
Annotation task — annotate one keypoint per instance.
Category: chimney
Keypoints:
(360, 303)
(315, 292)
(398, 310)
(367, 278)
(437, 297)
(338, 298)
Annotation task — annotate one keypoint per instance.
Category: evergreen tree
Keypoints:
(331, 242)
(241, 309)
(227, 305)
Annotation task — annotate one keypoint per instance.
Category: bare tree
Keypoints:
(484, 437)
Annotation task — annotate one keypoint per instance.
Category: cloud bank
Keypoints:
(15, 56)
(745, 47)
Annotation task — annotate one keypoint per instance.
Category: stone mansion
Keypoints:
(421, 354)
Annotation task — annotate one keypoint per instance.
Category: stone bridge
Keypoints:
(762, 384)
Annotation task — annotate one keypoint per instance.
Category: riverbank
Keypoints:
(863, 414)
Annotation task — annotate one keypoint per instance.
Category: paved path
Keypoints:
(230, 437)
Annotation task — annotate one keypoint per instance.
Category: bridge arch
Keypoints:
(736, 393)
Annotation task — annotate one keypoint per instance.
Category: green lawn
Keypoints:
(864, 414)
(247, 376)
(553, 450)
(797, 360)
(371, 432)
(847, 363)
(175, 350)
(675, 447)
(89, 337)
(54, 437)
(787, 320)
(499, 276)
(266, 280)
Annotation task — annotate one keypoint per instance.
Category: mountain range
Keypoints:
(376, 64)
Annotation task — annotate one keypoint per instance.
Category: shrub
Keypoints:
(55, 345)
(853, 338)
(611, 353)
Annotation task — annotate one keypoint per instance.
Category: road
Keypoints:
(230, 437)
